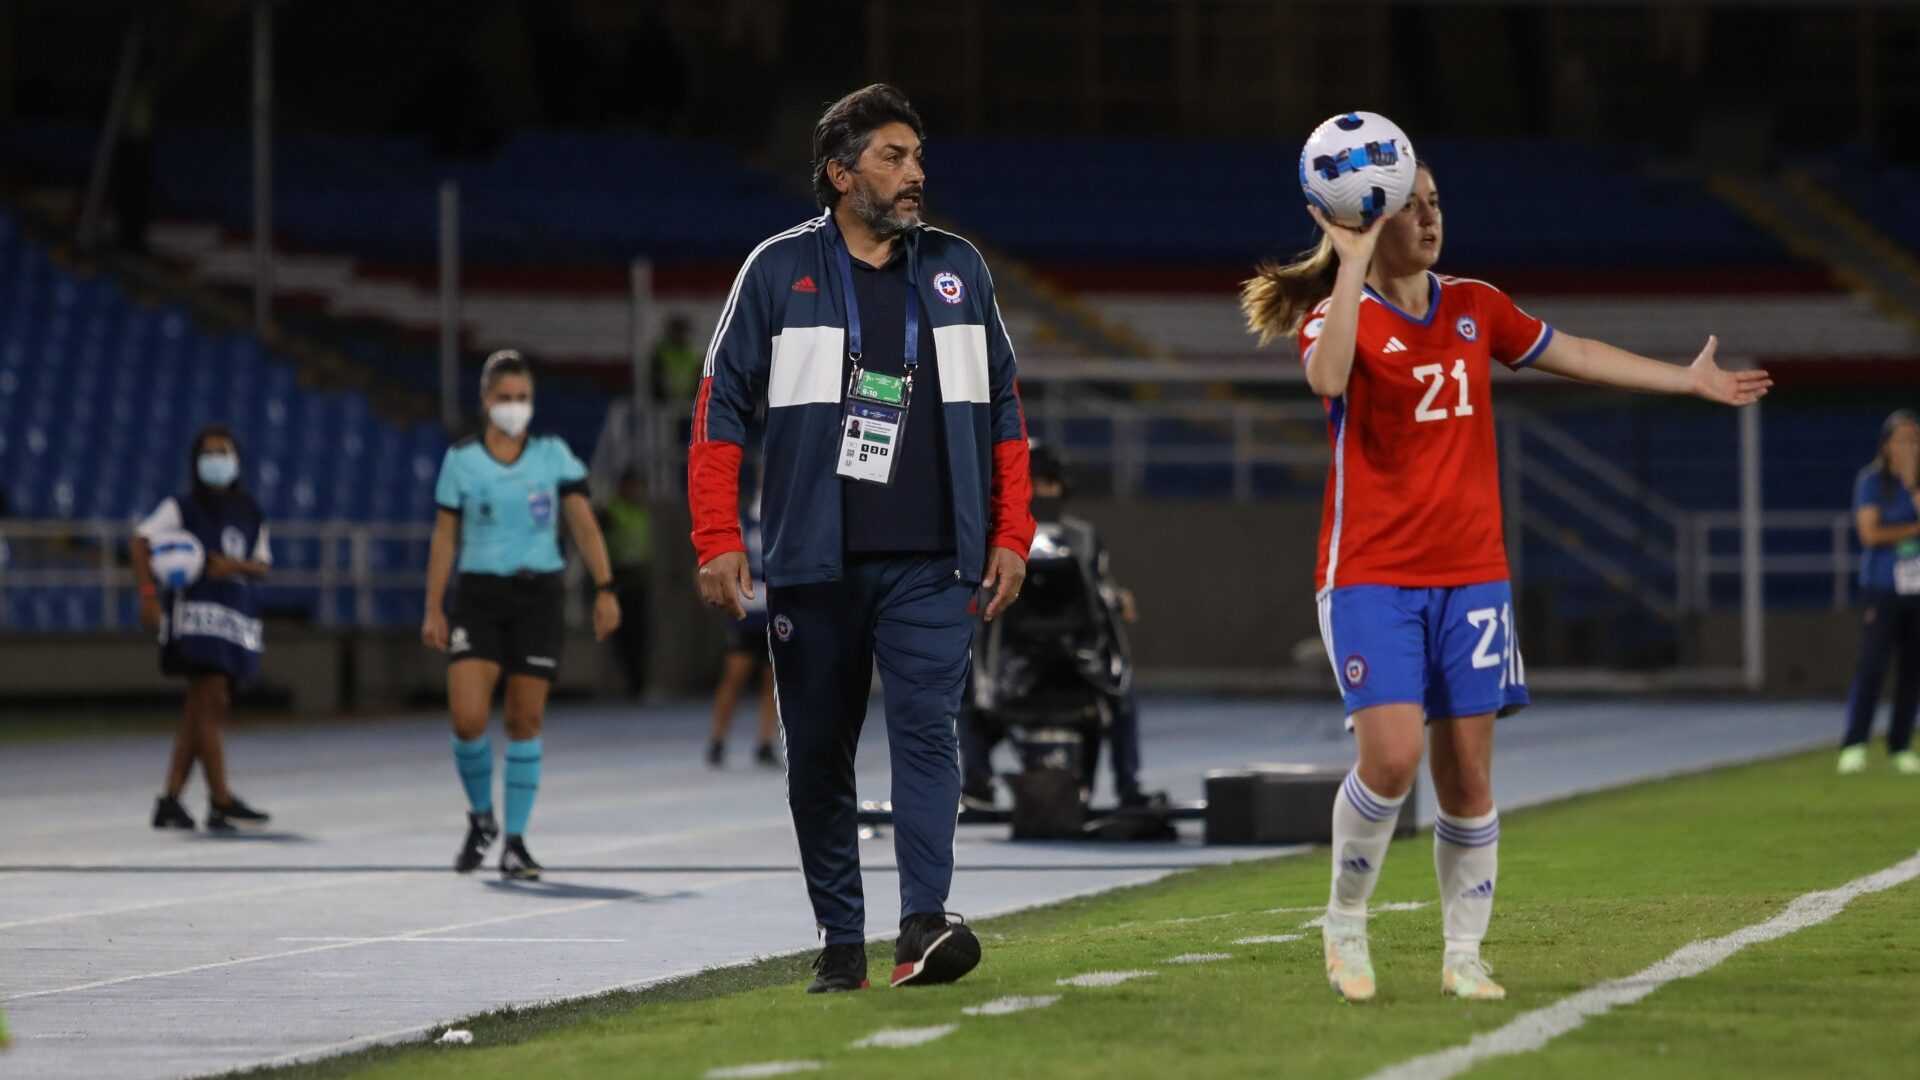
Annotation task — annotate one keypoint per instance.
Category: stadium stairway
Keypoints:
(1819, 226)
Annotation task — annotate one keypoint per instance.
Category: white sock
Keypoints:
(1363, 823)
(1466, 859)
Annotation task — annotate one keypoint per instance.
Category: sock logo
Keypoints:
(1482, 891)
(1358, 864)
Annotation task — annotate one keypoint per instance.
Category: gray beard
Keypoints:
(878, 215)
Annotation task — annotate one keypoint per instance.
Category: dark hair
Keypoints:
(1882, 461)
(1045, 465)
(846, 127)
(501, 364)
(199, 488)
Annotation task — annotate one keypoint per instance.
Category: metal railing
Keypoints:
(92, 555)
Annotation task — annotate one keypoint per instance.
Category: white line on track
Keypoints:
(357, 942)
(1534, 1030)
(471, 940)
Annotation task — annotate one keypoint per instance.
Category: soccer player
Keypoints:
(1886, 511)
(1415, 606)
(498, 495)
(896, 490)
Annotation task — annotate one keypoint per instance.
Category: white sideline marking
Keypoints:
(1267, 939)
(900, 1038)
(1398, 905)
(473, 940)
(1102, 978)
(1533, 1030)
(1006, 1005)
(1198, 958)
(765, 1068)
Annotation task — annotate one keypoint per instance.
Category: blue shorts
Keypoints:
(1452, 651)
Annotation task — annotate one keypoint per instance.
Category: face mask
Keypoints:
(511, 417)
(217, 470)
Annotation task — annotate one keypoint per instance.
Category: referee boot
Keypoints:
(515, 863)
(934, 949)
(482, 830)
(234, 814)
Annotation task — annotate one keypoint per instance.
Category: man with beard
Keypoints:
(896, 488)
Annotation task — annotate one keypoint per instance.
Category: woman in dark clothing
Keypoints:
(209, 633)
(1886, 511)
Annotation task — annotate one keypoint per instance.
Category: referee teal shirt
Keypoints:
(509, 514)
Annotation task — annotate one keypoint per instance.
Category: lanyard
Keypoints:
(912, 356)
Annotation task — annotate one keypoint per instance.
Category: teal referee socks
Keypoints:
(474, 759)
(523, 783)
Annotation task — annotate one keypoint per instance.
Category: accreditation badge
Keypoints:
(873, 424)
(1906, 568)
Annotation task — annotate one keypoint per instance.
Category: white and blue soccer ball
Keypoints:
(176, 558)
(1356, 167)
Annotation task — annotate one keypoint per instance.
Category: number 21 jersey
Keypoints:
(1413, 494)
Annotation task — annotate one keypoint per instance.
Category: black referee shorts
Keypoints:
(516, 622)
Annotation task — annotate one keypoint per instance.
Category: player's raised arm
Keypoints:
(1597, 362)
(1276, 300)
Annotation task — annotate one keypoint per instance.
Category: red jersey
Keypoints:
(1413, 495)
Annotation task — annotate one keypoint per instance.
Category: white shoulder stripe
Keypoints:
(733, 296)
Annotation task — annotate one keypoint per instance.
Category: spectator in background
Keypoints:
(676, 365)
(1886, 510)
(628, 527)
(208, 631)
(746, 659)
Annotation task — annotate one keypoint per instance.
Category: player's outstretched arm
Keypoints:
(1597, 362)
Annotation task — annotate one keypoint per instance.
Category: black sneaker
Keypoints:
(235, 815)
(934, 949)
(515, 863)
(1138, 799)
(768, 757)
(716, 753)
(978, 795)
(838, 969)
(482, 830)
(169, 814)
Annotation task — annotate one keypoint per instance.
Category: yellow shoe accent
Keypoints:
(1907, 763)
(1469, 978)
(1349, 964)
(1853, 760)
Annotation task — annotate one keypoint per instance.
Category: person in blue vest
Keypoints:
(896, 489)
(1886, 511)
(209, 634)
(502, 494)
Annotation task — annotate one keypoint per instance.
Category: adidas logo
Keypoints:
(1393, 343)
(1358, 865)
(1482, 891)
(806, 284)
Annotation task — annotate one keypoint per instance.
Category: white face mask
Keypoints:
(511, 417)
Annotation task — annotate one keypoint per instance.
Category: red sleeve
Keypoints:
(713, 489)
(1012, 526)
(1514, 337)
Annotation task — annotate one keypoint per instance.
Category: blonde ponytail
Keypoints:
(1277, 298)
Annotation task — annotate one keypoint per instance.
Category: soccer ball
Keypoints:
(1356, 167)
(177, 558)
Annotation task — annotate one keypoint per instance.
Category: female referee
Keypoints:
(1886, 511)
(498, 493)
(209, 634)
(1415, 605)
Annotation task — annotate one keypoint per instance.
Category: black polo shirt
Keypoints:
(915, 512)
